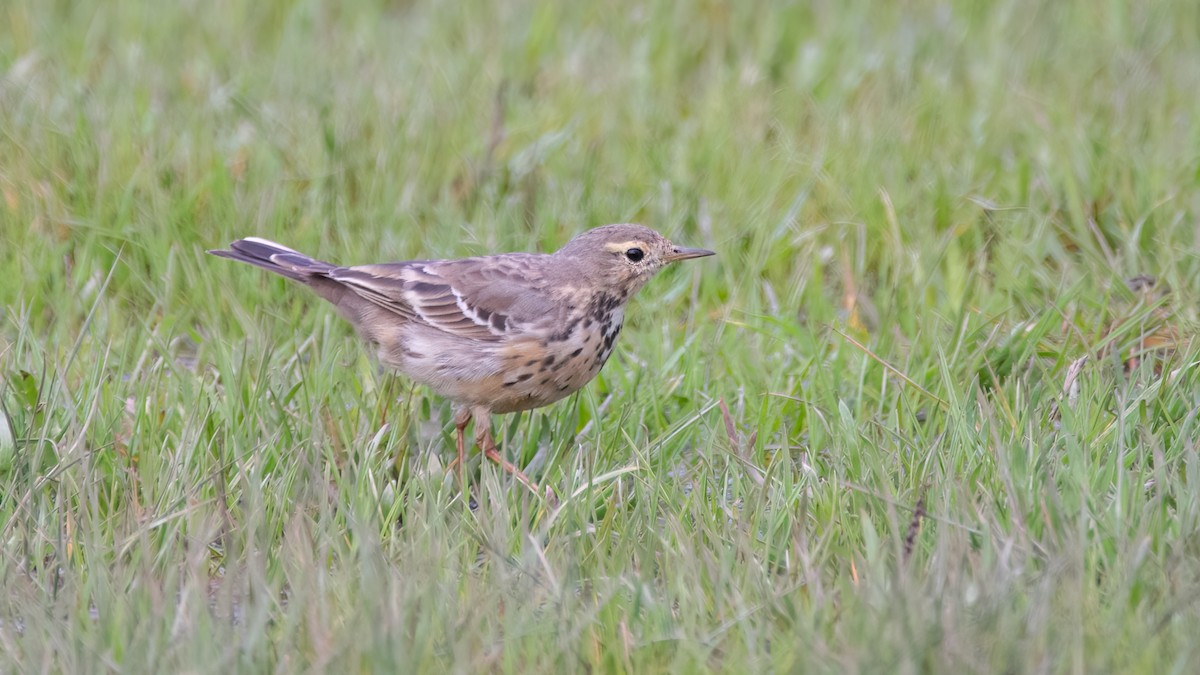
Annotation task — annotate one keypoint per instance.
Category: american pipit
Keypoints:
(494, 334)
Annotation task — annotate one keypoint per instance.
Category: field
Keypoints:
(932, 408)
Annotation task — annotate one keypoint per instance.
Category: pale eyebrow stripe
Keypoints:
(624, 245)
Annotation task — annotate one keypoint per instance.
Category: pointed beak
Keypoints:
(681, 253)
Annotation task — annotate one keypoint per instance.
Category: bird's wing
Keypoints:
(488, 299)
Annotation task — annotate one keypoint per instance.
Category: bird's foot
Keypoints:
(547, 494)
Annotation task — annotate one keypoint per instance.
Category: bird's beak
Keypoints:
(681, 253)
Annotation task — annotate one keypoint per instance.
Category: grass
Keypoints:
(911, 419)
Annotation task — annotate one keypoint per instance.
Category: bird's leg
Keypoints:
(462, 417)
(483, 438)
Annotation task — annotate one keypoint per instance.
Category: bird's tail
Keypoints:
(276, 258)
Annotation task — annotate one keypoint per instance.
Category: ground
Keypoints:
(932, 407)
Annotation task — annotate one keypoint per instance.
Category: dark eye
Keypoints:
(634, 254)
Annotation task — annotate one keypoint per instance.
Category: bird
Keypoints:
(494, 334)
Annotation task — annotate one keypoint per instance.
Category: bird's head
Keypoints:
(623, 256)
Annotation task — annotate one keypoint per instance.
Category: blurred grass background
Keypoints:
(958, 437)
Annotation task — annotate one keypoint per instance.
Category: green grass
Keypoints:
(924, 212)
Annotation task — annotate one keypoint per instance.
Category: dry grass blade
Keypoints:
(899, 373)
(914, 526)
(735, 445)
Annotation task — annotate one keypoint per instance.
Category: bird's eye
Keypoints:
(635, 254)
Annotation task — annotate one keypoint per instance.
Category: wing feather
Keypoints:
(488, 299)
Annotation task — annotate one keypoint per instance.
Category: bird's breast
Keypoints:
(550, 367)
